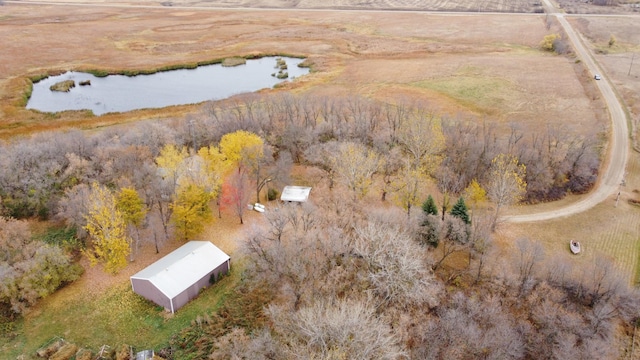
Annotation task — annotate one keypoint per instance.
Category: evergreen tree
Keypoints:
(429, 206)
(460, 211)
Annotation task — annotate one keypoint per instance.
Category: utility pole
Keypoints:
(632, 57)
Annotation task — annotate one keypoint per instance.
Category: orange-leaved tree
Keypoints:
(235, 192)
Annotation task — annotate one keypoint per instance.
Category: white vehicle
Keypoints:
(597, 77)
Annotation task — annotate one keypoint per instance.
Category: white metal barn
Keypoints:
(295, 193)
(174, 280)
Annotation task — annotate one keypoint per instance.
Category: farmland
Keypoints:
(483, 69)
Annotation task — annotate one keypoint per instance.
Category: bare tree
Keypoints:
(480, 245)
(72, 208)
(395, 266)
(295, 256)
(527, 261)
(321, 156)
(506, 184)
(454, 237)
(355, 165)
(237, 344)
(422, 138)
(338, 330)
(468, 328)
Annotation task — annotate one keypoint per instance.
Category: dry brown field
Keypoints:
(587, 7)
(486, 66)
(621, 61)
(471, 66)
(525, 6)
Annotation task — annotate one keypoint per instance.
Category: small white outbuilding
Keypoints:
(295, 193)
(178, 277)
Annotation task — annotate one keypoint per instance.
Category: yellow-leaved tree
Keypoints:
(407, 186)
(507, 183)
(549, 41)
(171, 162)
(107, 229)
(246, 150)
(475, 194)
(241, 146)
(191, 211)
(133, 210)
(215, 166)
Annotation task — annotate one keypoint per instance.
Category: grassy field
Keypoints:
(114, 317)
(101, 309)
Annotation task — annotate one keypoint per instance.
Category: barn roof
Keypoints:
(295, 193)
(183, 267)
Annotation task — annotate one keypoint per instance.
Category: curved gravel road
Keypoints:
(615, 162)
(618, 152)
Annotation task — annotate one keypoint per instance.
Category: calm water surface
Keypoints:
(119, 93)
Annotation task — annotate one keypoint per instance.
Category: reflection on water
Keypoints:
(119, 93)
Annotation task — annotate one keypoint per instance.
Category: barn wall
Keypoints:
(192, 291)
(148, 291)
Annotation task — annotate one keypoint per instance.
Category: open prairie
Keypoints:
(486, 66)
(421, 5)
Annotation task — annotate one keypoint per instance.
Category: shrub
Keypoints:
(63, 237)
(272, 194)
(430, 231)
(548, 41)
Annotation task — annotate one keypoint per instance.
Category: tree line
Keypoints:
(155, 179)
(454, 152)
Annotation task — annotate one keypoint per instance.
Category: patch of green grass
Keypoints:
(26, 95)
(117, 316)
(65, 237)
(474, 91)
(34, 79)
(97, 73)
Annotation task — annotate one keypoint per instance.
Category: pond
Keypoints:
(120, 93)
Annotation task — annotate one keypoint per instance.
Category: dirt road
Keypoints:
(615, 159)
(618, 152)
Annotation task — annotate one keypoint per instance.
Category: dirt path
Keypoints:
(618, 152)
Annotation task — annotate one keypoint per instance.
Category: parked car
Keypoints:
(597, 76)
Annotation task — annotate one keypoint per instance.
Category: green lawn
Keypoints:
(118, 316)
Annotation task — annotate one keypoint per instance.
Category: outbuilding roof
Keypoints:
(295, 193)
(183, 267)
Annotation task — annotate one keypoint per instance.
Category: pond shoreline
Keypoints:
(180, 66)
(167, 86)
